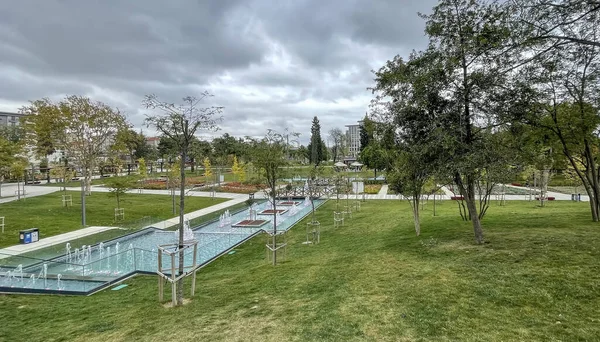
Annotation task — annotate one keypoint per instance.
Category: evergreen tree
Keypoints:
(316, 146)
(366, 133)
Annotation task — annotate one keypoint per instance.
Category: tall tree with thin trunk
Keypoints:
(471, 41)
(337, 137)
(269, 157)
(180, 123)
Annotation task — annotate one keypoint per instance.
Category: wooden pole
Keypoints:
(160, 279)
(173, 283)
(194, 265)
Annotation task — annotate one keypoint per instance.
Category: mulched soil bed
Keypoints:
(271, 211)
(290, 203)
(250, 223)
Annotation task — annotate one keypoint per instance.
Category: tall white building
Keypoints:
(353, 139)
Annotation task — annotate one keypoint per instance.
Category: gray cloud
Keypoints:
(271, 64)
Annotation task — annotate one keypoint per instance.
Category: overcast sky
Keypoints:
(271, 64)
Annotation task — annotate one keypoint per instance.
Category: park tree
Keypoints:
(17, 171)
(269, 157)
(316, 148)
(366, 132)
(408, 178)
(557, 23)
(142, 172)
(118, 186)
(88, 129)
(13, 133)
(566, 85)
(463, 84)
(143, 168)
(62, 172)
(338, 138)
(468, 45)
(167, 148)
(291, 139)
(238, 169)
(303, 153)
(199, 149)
(9, 151)
(133, 144)
(375, 157)
(207, 169)
(44, 126)
(180, 123)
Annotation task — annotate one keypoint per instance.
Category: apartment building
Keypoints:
(9, 119)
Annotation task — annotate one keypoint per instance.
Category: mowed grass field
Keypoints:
(46, 212)
(536, 279)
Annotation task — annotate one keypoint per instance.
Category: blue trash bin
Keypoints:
(29, 235)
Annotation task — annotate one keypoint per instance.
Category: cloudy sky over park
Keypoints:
(271, 64)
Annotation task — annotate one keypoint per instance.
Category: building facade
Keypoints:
(353, 139)
(153, 141)
(9, 119)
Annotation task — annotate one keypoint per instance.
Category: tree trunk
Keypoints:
(181, 219)
(274, 225)
(468, 192)
(415, 209)
(476, 222)
(87, 176)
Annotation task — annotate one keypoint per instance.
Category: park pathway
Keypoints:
(9, 191)
(382, 192)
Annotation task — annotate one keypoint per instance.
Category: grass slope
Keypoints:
(45, 212)
(536, 280)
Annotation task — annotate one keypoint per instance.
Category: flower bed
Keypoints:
(161, 183)
(238, 188)
(372, 189)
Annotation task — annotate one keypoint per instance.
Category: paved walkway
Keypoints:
(189, 216)
(8, 191)
(382, 192)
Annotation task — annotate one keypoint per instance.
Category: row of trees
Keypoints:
(500, 87)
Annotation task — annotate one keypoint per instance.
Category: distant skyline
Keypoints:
(270, 64)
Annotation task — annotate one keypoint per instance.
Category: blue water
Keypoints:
(111, 260)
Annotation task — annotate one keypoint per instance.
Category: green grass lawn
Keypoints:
(69, 184)
(45, 212)
(536, 279)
